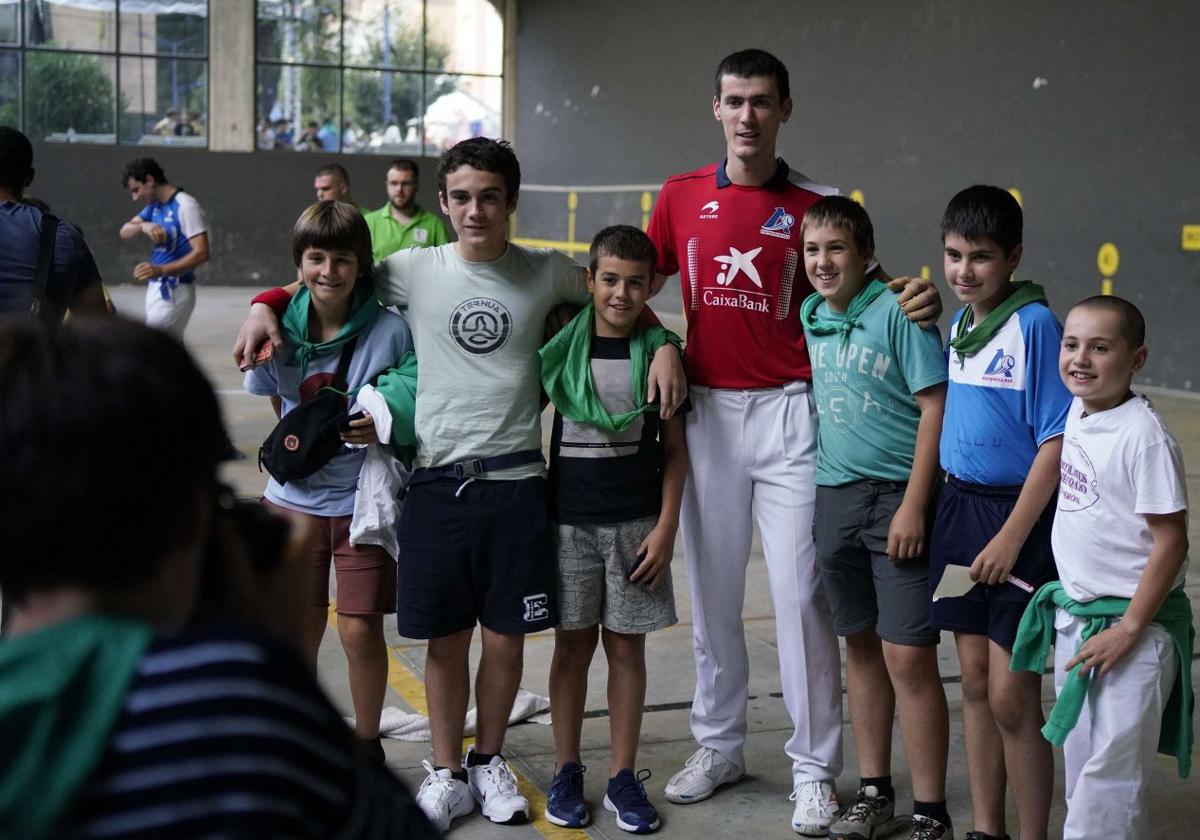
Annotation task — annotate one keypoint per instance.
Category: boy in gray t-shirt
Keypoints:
(474, 538)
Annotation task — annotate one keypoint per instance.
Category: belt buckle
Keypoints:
(469, 469)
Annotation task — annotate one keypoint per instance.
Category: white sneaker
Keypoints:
(443, 797)
(701, 775)
(495, 789)
(816, 806)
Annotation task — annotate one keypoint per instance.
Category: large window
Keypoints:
(105, 71)
(394, 77)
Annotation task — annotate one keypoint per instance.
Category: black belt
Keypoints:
(476, 467)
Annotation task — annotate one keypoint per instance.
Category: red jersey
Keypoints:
(739, 257)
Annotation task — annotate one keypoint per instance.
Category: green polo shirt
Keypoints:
(388, 236)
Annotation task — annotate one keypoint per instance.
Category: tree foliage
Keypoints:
(67, 91)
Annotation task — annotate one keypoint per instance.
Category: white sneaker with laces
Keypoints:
(700, 777)
(494, 787)
(443, 797)
(816, 806)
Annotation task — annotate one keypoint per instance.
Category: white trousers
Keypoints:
(753, 454)
(1109, 755)
(170, 315)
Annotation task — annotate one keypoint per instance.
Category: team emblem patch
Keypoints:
(421, 235)
(779, 224)
(537, 607)
(480, 326)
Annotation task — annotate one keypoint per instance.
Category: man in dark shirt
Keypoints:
(74, 281)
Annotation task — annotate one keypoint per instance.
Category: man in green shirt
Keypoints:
(402, 223)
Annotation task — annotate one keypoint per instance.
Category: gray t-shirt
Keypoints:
(477, 329)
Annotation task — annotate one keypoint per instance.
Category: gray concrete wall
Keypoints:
(908, 103)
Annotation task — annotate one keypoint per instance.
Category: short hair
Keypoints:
(16, 159)
(337, 170)
(625, 242)
(337, 226)
(139, 169)
(845, 213)
(981, 212)
(403, 164)
(486, 155)
(753, 62)
(109, 433)
(1130, 322)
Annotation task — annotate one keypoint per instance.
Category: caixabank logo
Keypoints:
(480, 326)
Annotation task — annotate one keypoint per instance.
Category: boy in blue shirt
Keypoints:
(1001, 439)
(879, 381)
(616, 481)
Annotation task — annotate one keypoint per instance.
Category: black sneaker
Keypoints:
(927, 828)
(983, 835)
(565, 805)
(626, 797)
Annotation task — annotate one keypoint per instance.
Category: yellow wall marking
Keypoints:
(1191, 237)
(1108, 259)
(647, 204)
(1106, 286)
(857, 195)
(925, 272)
(1016, 193)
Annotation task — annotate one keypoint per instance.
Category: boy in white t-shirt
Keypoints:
(1121, 621)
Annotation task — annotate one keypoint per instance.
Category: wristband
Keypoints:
(278, 299)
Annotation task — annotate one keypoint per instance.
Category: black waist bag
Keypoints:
(307, 437)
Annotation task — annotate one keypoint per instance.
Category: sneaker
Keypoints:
(700, 777)
(983, 835)
(626, 797)
(564, 801)
(495, 789)
(816, 806)
(927, 828)
(443, 797)
(866, 814)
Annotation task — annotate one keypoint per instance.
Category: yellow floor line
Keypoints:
(412, 690)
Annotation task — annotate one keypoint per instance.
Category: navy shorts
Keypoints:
(484, 555)
(968, 516)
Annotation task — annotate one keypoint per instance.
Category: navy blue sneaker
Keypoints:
(564, 802)
(626, 797)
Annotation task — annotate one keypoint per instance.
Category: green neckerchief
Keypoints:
(1036, 633)
(567, 371)
(968, 342)
(853, 314)
(364, 309)
(63, 688)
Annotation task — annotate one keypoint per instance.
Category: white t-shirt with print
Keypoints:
(1117, 466)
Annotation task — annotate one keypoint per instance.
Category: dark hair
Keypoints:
(335, 169)
(404, 163)
(625, 242)
(1129, 318)
(983, 212)
(16, 159)
(337, 226)
(486, 155)
(139, 169)
(747, 63)
(845, 213)
(108, 434)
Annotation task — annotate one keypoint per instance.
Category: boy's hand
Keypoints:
(993, 564)
(666, 381)
(919, 299)
(906, 534)
(260, 325)
(362, 431)
(1104, 650)
(154, 232)
(658, 547)
(144, 271)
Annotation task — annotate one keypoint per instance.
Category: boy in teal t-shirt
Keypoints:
(880, 386)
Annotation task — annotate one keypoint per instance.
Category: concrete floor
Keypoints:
(758, 806)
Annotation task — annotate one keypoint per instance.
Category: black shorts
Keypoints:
(484, 555)
(968, 516)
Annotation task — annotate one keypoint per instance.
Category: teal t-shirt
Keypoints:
(868, 417)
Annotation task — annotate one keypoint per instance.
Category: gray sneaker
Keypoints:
(927, 828)
(867, 813)
(703, 773)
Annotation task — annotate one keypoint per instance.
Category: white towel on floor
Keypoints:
(410, 726)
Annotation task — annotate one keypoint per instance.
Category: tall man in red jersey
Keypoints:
(732, 231)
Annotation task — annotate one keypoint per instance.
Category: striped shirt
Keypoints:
(226, 734)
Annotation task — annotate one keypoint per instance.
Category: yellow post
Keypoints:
(647, 203)
(572, 203)
(1108, 258)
